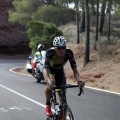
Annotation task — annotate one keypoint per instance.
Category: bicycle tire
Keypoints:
(69, 114)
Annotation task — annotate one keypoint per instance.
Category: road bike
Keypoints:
(61, 110)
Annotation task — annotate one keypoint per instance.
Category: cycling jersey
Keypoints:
(51, 57)
(37, 55)
(57, 69)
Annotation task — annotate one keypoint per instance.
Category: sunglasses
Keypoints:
(61, 47)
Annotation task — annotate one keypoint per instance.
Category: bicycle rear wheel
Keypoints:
(68, 113)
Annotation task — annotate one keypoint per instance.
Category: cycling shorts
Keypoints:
(59, 76)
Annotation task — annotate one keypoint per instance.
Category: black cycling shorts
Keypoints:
(59, 76)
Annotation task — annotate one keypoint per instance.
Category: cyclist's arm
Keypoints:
(73, 65)
(47, 75)
(77, 77)
(76, 74)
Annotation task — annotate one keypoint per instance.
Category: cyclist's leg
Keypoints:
(47, 90)
(61, 81)
(48, 95)
(63, 111)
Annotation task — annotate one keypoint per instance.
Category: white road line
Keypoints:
(107, 91)
(21, 95)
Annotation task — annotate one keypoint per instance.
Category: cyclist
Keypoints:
(56, 57)
(36, 56)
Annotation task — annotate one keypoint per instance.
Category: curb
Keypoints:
(107, 91)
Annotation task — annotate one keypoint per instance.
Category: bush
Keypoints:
(41, 33)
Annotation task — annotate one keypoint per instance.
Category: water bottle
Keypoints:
(57, 107)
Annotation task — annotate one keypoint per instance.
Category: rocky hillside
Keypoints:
(12, 40)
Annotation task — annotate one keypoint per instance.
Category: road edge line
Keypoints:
(107, 91)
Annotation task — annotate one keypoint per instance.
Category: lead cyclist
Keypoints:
(56, 58)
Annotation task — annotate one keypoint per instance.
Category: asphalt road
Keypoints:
(21, 98)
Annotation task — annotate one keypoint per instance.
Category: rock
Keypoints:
(10, 34)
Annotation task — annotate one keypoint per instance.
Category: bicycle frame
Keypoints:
(61, 109)
(58, 108)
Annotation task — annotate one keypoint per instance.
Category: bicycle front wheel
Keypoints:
(68, 113)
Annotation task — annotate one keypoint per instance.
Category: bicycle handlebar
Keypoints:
(70, 86)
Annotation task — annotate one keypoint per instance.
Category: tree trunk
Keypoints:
(82, 23)
(87, 33)
(109, 21)
(97, 23)
(93, 8)
(77, 22)
(102, 16)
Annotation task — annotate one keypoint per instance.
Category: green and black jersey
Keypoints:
(51, 57)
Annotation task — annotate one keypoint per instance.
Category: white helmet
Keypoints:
(40, 47)
(59, 41)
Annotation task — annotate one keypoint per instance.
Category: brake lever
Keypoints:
(81, 91)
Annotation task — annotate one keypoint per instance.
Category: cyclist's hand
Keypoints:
(81, 83)
(51, 86)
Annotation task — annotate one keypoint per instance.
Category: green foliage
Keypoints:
(36, 10)
(23, 11)
(41, 32)
(57, 15)
(22, 18)
(117, 12)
